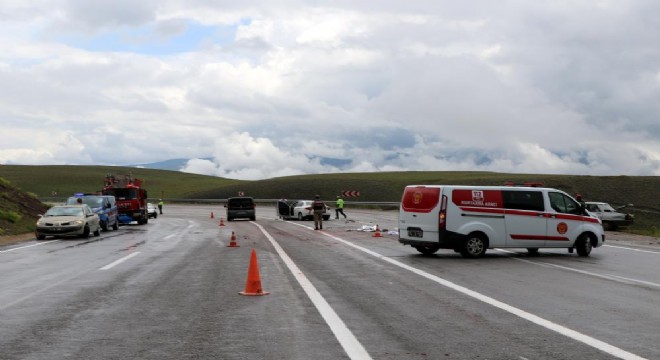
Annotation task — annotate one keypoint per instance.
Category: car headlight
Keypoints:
(79, 222)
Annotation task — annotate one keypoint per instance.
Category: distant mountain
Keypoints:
(178, 164)
(172, 164)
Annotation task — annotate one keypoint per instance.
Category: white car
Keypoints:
(610, 217)
(300, 209)
(152, 210)
(68, 220)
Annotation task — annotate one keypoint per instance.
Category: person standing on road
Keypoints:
(340, 207)
(160, 206)
(318, 207)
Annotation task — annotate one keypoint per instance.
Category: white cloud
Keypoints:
(280, 88)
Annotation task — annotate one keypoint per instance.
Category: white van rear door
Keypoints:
(418, 215)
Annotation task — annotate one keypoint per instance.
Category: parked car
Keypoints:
(152, 210)
(105, 206)
(299, 209)
(68, 220)
(610, 217)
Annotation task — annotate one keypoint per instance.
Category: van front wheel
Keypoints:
(428, 249)
(583, 245)
(475, 245)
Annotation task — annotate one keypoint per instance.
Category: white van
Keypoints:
(471, 219)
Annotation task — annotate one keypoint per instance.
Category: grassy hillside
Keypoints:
(63, 181)
(642, 191)
(19, 211)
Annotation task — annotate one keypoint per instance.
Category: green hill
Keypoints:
(44, 181)
(58, 182)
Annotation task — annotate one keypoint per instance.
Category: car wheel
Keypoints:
(115, 226)
(98, 232)
(104, 226)
(583, 245)
(253, 218)
(155, 215)
(86, 231)
(428, 249)
(300, 216)
(533, 251)
(475, 245)
(41, 237)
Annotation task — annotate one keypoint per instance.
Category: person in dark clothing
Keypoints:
(318, 207)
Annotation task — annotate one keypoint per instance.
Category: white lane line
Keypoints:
(562, 330)
(348, 341)
(633, 249)
(115, 263)
(28, 246)
(616, 278)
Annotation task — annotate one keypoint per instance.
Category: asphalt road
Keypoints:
(170, 290)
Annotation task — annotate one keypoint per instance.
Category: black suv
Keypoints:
(240, 207)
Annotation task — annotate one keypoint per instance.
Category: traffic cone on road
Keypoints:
(222, 222)
(212, 217)
(232, 241)
(377, 233)
(253, 283)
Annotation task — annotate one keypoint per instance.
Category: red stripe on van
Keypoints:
(420, 199)
(576, 218)
(537, 237)
(483, 210)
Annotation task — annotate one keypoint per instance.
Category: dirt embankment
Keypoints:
(19, 211)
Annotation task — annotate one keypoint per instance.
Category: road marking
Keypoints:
(113, 264)
(575, 335)
(632, 249)
(348, 341)
(28, 246)
(616, 278)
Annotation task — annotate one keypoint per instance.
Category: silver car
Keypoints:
(152, 210)
(301, 210)
(68, 220)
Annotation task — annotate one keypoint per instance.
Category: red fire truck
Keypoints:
(131, 198)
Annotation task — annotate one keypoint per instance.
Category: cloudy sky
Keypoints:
(273, 88)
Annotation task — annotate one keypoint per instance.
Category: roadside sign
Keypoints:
(350, 193)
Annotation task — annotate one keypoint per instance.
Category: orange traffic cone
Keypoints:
(212, 217)
(222, 222)
(253, 283)
(377, 233)
(232, 241)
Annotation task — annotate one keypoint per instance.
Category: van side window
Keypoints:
(563, 204)
(523, 200)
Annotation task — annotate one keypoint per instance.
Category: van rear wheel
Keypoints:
(427, 249)
(475, 245)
